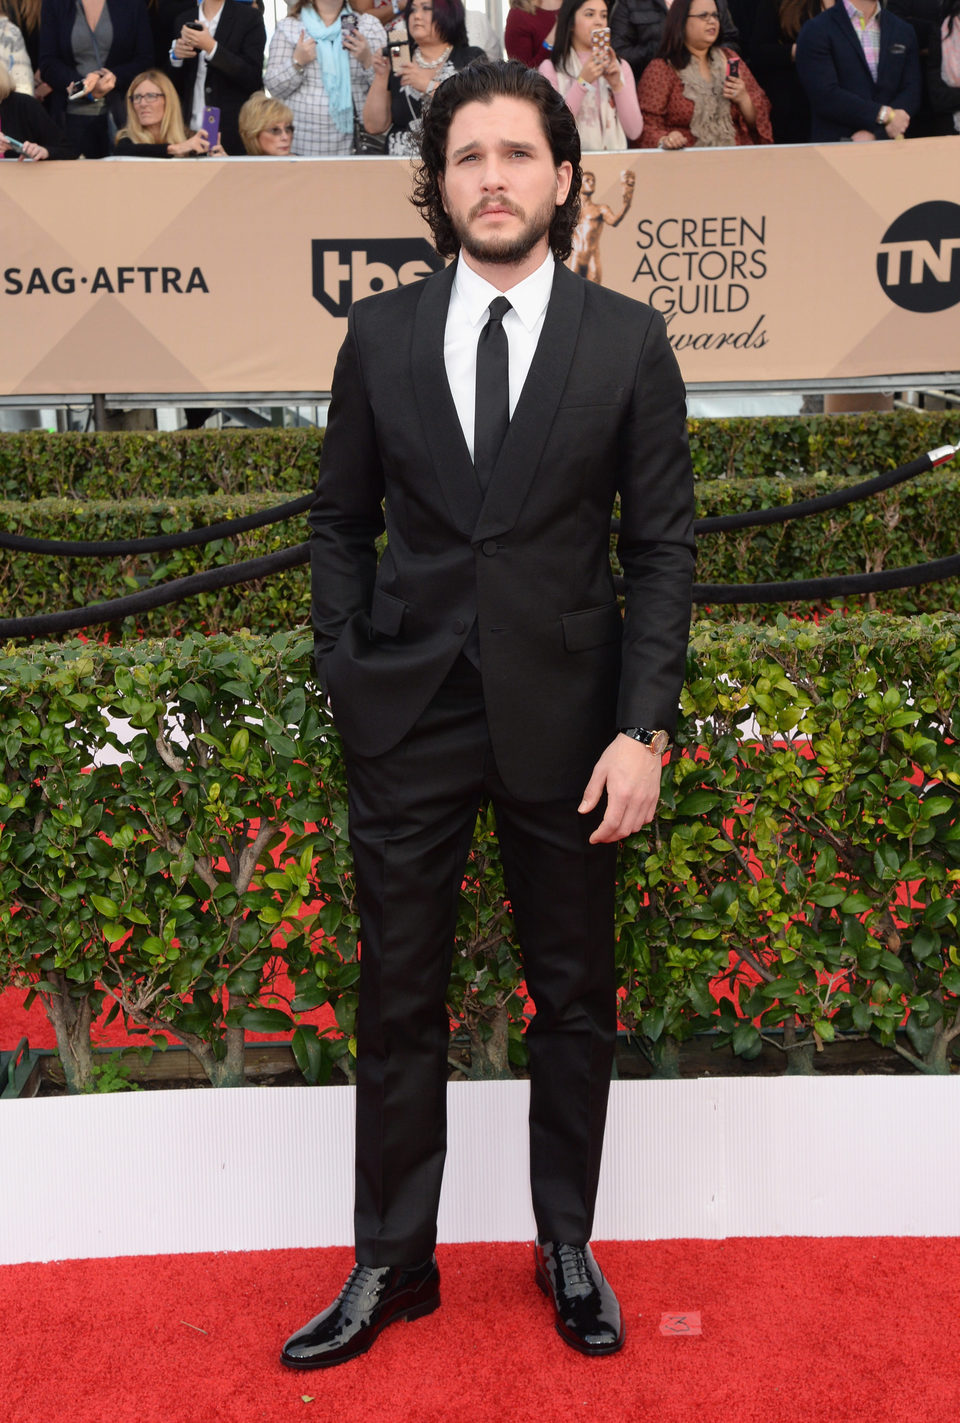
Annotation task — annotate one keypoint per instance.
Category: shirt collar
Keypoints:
(857, 17)
(528, 298)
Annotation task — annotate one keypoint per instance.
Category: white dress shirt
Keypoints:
(199, 100)
(467, 315)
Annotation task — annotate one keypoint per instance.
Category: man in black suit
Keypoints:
(859, 66)
(487, 418)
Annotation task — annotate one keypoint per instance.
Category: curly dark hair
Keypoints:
(481, 82)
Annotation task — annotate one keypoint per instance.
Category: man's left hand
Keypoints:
(630, 774)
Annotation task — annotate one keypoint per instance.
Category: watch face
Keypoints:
(659, 742)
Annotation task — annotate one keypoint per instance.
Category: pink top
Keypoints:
(628, 105)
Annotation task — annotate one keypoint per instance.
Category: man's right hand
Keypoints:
(898, 123)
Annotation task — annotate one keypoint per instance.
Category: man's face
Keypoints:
(589, 183)
(501, 187)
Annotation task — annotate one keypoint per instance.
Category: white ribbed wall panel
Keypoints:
(265, 1168)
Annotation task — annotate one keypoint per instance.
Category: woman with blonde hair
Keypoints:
(266, 127)
(154, 127)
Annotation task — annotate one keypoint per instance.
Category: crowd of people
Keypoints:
(158, 78)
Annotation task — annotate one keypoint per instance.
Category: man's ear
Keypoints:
(564, 179)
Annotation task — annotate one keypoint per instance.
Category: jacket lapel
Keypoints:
(847, 30)
(533, 418)
(225, 25)
(439, 420)
(885, 55)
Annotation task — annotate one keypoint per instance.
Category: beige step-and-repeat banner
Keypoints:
(134, 277)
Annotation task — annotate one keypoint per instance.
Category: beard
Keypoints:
(501, 250)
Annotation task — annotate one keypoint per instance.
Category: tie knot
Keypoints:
(498, 308)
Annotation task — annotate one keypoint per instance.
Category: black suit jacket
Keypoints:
(602, 410)
(843, 94)
(233, 74)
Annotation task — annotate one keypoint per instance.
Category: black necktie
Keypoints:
(492, 412)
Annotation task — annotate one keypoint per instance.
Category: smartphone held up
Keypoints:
(211, 125)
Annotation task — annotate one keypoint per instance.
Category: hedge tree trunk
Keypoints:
(801, 1057)
(490, 1057)
(664, 1055)
(227, 1071)
(71, 1018)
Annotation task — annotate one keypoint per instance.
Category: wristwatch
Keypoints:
(885, 115)
(656, 741)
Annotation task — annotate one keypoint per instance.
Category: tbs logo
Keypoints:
(918, 264)
(343, 272)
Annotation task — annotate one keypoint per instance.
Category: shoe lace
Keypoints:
(574, 1270)
(358, 1283)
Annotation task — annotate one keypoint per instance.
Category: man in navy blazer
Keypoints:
(861, 71)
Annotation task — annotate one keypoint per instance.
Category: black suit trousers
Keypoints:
(412, 816)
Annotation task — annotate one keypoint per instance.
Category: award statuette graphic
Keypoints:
(585, 257)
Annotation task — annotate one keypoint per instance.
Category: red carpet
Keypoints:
(794, 1331)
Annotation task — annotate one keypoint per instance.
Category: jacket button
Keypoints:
(459, 626)
(489, 547)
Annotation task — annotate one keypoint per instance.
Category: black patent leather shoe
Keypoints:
(588, 1315)
(372, 1298)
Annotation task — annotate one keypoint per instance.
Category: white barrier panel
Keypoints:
(269, 1168)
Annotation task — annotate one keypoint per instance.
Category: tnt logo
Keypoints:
(918, 264)
(343, 272)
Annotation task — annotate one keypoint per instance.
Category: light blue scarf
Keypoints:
(334, 64)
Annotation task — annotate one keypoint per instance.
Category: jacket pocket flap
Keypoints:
(592, 627)
(386, 613)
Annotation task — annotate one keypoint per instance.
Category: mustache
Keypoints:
(487, 203)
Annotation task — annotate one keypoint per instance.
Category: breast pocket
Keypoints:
(591, 397)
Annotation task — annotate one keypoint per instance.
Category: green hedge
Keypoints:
(190, 464)
(803, 865)
(41, 584)
(854, 446)
(913, 523)
(187, 464)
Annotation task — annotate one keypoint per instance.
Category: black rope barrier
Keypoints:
(187, 538)
(830, 586)
(251, 570)
(52, 624)
(837, 499)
